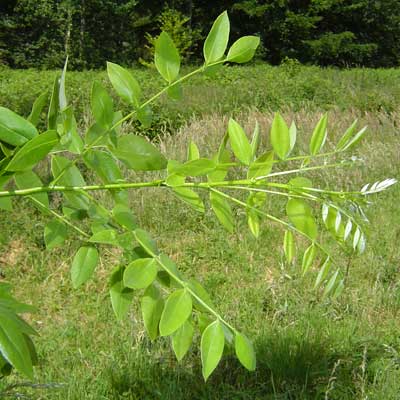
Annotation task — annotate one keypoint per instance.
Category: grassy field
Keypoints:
(308, 348)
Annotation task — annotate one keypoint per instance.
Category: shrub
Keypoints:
(172, 306)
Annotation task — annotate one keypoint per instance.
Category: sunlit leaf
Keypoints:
(289, 246)
(222, 210)
(243, 49)
(33, 151)
(140, 273)
(102, 106)
(245, 351)
(239, 142)
(182, 340)
(177, 310)
(300, 214)
(166, 57)
(15, 130)
(212, 347)
(152, 306)
(318, 137)
(217, 39)
(124, 83)
(280, 137)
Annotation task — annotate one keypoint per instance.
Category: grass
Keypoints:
(308, 348)
(230, 91)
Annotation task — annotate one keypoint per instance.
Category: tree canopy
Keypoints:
(40, 33)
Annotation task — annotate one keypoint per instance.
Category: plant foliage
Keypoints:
(171, 305)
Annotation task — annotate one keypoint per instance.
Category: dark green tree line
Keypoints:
(39, 33)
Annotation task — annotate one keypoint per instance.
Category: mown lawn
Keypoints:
(308, 347)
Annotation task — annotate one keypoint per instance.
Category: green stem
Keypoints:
(294, 171)
(51, 188)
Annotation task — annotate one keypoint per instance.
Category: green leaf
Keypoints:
(175, 92)
(104, 165)
(280, 137)
(300, 214)
(212, 347)
(292, 136)
(177, 310)
(152, 306)
(71, 177)
(5, 202)
(53, 107)
(254, 200)
(308, 258)
(104, 236)
(37, 108)
(83, 265)
(255, 140)
(182, 340)
(200, 292)
(62, 99)
(166, 57)
(323, 272)
(222, 210)
(121, 297)
(318, 137)
(33, 151)
(193, 152)
(346, 136)
(15, 130)
(13, 345)
(146, 242)
(245, 351)
(262, 166)
(169, 266)
(140, 273)
(55, 234)
(190, 197)
(145, 116)
(243, 49)
(217, 39)
(357, 137)
(331, 283)
(123, 215)
(339, 289)
(102, 106)
(139, 154)
(198, 167)
(68, 130)
(253, 221)
(124, 83)
(29, 179)
(332, 219)
(297, 184)
(239, 142)
(289, 246)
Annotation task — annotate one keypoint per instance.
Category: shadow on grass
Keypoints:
(289, 366)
